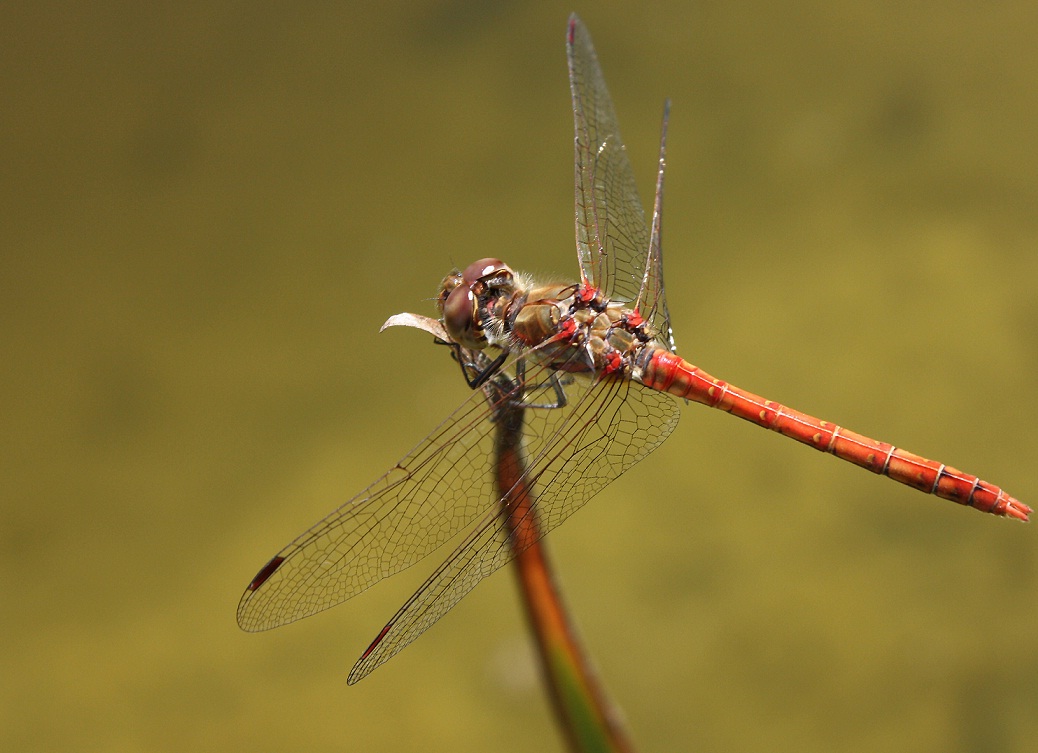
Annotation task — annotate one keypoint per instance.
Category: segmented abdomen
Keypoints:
(667, 372)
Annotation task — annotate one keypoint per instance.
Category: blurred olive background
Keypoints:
(210, 208)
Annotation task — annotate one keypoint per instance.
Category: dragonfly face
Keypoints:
(469, 300)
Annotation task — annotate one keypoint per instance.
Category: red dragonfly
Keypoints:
(591, 364)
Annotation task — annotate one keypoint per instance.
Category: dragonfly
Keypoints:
(593, 368)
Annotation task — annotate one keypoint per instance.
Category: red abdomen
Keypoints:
(666, 372)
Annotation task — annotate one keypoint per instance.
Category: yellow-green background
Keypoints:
(208, 209)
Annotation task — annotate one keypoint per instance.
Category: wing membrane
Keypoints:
(614, 248)
(437, 489)
(573, 452)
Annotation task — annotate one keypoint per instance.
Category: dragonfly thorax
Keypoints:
(566, 326)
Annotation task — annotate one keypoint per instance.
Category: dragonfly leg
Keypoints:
(476, 367)
(554, 382)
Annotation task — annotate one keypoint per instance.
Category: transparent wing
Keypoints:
(652, 299)
(446, 483)
(571, 453)
(613, 242)
(437, 489)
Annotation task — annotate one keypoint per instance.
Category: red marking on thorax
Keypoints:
(586, 293)
(567, 329)
(634, 319)
(614, 363)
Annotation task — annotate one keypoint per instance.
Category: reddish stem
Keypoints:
(588, 718)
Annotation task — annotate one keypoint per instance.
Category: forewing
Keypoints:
(572, 452)
(612, 238)
(437, 489)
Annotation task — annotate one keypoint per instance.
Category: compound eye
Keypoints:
(461, 319)
(486, 269)
(450, 283)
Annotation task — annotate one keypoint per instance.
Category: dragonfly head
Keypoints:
(467, 296)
